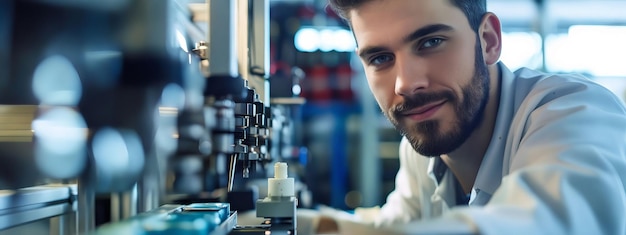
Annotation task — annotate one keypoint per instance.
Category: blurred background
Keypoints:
(352, 149)
(109, 109)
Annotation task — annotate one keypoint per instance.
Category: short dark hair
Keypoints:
(473, 9)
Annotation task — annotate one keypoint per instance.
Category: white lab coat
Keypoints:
(556, 164)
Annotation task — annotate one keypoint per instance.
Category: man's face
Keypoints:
(425, 68)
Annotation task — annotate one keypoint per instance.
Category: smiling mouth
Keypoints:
(424, 112)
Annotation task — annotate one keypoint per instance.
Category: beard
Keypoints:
(427, 137)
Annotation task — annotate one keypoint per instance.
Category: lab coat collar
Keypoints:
(490, 175)
(445, 193)
(436, 169)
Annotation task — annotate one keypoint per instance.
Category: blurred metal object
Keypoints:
(30, 204)
(15, 125)
(82, 82)
(16, 147)
(133, 102)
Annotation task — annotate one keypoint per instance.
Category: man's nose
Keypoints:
(410, 75)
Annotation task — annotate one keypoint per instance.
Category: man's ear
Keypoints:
(490, 38)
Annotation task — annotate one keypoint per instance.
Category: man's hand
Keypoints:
(327, 225)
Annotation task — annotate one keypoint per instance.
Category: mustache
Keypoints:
(420, 99)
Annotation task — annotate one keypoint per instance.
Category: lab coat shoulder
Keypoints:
(564, 110)
(565, 161)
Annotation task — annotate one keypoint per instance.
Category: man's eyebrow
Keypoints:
(421, 32)
(426, 30)
(370, 50)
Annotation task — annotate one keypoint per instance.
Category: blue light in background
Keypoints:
(326, 39)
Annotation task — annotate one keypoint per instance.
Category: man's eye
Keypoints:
(380, 59)
(430, 43)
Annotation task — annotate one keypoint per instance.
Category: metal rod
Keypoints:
(86, 203)
(129, 202)
(231, 171)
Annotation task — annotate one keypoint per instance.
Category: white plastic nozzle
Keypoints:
(280, 170)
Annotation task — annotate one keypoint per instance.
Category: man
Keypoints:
(530, 153)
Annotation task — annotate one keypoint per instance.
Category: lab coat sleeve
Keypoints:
(408, 208)
(405, 202)
(567, 169)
